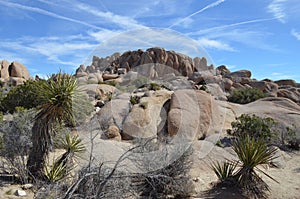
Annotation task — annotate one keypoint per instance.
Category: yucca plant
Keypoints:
(72, 144)
(62, 167)
(57, 97)
(252, 152)
(224, 171)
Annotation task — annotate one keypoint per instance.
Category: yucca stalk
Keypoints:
(57, 95)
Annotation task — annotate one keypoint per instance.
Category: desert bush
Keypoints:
(16, 144)
(267, 128)
(173, 180)
(245, 95)
(254, 126)
(26, 95)
(288, 138)
(134, 99)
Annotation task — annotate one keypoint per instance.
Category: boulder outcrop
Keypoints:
(13, 73)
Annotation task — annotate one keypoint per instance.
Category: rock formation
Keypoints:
(158, 60)
(13, 73)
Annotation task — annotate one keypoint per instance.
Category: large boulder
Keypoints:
(286, 82)
(113, 133)
(241, 76)
(192, 114)
(222, 70)
(15, 81)
(18, 70)
(148, 118)
(291, 94)
(113, 112)
(4, 74)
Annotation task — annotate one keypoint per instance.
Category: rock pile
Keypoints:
(158, 60)
(179, 107)
(13, 73)
(242, 79)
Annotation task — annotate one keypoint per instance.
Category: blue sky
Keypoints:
(47, 35)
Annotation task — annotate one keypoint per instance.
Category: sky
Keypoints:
(48, 35)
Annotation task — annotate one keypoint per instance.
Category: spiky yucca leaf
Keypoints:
(223, 171)
(56, 172)
(253, 152)
(72, 144)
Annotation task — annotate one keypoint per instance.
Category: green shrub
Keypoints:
(245, 95)
(154, 86)
(134, 99)
(255, 127)
(25, 95)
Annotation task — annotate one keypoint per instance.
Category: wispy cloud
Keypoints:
(295, 34)
(103, 35)
(279, 75)
(64, 51)
(276, 7)
(232, 33)
(198, 12)
(47, 13)
(213, 29)
(122, 21)
(209, 43)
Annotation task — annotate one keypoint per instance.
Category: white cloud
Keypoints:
(214, 4)
(47, 13)
(209, 43)
(122, 21)
(103, 35)
(295, 34)
(277, 8)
